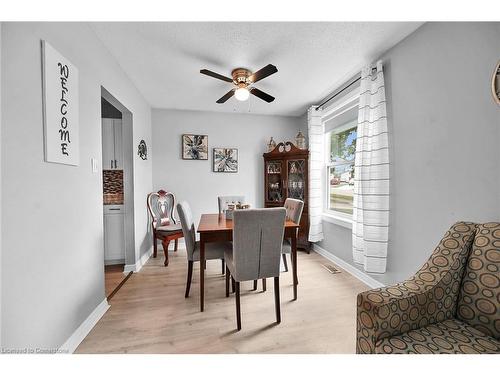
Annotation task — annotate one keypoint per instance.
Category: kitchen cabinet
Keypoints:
(112, 144)
(114, 234)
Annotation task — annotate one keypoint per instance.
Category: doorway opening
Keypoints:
(117, 177)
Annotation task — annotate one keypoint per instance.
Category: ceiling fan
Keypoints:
(243, 79)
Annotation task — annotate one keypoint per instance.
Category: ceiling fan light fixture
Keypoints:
(241, 94)
(243, 80)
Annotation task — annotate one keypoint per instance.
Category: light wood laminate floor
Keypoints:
(149, 313)
(113, 276)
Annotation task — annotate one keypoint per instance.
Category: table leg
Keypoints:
(202, 272)
(294, 265)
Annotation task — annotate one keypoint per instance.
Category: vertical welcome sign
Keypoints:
(60, 107)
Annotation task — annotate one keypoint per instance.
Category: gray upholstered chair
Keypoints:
(256, 252)
(229, 199)
(213, 250)
(294, 209)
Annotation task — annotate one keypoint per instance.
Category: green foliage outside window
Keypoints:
(343, 144)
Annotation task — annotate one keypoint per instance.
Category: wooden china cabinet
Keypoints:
(286, 171)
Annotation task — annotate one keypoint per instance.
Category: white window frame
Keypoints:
(341, 106)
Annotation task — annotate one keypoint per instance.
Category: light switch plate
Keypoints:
(94, 165)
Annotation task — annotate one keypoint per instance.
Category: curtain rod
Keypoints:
(340, 91)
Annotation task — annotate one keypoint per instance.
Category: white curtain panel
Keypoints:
(371, 175)
(316, 134)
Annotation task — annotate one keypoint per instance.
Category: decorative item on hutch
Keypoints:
(271, 145)
(300, 141)
(286, 169)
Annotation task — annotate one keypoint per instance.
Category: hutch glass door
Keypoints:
(296, 184)
(275, 179)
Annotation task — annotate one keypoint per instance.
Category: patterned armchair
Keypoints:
(451, 305)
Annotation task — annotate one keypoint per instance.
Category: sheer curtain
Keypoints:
(316, 163)
(371, 175)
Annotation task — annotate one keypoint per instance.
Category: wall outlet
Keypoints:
(94, 165)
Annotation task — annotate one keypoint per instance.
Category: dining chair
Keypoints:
(293, 209)
(164, 227)
(256, 251)
(229, 199)
(213, 250)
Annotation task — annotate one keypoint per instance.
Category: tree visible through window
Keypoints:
(341, 168)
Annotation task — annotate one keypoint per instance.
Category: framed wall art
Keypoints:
(225, 160)
(194, 147)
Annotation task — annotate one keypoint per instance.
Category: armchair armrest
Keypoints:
(428, 297)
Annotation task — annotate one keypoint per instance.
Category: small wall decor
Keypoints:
(194, 147)
(60, 108)
(495, 84)
(225, 160)
(142, 150)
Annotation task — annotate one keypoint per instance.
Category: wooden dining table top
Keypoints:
(219, 223)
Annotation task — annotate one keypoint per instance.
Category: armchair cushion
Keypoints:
(479, 302)
(449, 337)
(429, 297)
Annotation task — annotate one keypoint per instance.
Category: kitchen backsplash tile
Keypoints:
(112, 186)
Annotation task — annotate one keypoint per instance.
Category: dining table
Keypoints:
(217, 228)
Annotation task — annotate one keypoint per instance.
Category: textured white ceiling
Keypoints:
(164, 59)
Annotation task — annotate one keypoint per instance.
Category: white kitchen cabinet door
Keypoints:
(108, 144)
(114, 237)
(118, 141)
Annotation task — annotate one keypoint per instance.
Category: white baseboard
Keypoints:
(83, 330)
(357, 273)
(112, 262)
(136, 267)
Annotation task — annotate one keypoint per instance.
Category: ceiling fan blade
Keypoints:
(262, 95)
(215, 75)
(263, 73)
(226, 97)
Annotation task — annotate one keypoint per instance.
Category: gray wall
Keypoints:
(193, 180)
(52, 216)
(445, 132)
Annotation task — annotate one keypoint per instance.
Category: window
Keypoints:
(341, 142)
(340, 121)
